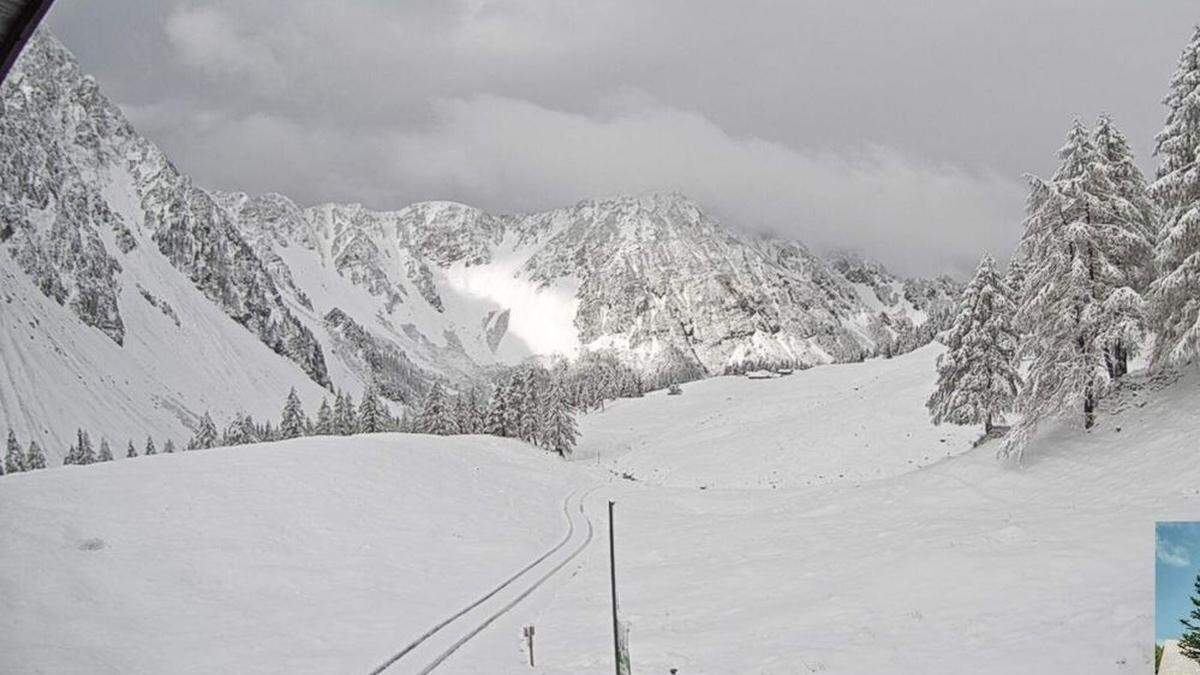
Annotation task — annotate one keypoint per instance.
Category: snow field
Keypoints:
(313, 555)
(329, 554)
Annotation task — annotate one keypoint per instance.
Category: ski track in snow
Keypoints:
(484, 603)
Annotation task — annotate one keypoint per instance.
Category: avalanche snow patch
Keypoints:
(541, 316)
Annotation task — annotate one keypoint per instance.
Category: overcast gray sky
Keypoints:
(898, 128)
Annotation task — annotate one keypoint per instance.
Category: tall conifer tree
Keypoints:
(977, 375)
(325, 425)
(558, 430)
(437, 414)
(206, 434)
(86, 455)
(35, 458)
(14, 457)
(293, 422)
(1175, 294)
(372, 417)
(1079, 301)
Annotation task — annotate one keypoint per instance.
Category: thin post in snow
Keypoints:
(528, 632)
(612, 574)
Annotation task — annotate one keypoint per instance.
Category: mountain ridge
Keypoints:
(104, 226)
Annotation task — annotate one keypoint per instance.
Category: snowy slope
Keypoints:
(329, 555)
(59, 374)
(855, 422)
(308, 556)
(960, 566)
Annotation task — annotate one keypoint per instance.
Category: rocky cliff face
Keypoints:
(56, 133)
(67, 153)
(656, 272)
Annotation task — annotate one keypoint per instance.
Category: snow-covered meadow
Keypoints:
(329, 555)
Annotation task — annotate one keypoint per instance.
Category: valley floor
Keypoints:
(815, 523)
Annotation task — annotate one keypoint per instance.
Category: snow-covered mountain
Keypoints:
(134, 300)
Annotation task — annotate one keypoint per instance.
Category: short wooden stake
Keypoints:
(528, 632)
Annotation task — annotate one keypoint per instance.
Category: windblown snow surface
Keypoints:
(772, 526)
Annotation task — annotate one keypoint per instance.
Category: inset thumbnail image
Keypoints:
(1177, 598)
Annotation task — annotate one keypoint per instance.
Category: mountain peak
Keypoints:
(656, 201)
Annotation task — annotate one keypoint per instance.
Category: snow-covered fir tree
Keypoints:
(34, 457)
(468, 412)
(1080, 303)
(1014, 279)
(1138, 212)
(85, 453)
(1131, 246)
(324, 425)
(130, 451)
(405, 422)
(267, 433)
(598, 376)
(169, 447)
(14, 457)
(240, 431)
(977, 375)
(372, 416)
(344, 414)
(528, 404)
(206, 434)
(437, 413)
(293, 422)
(512, 403)
(105, 451)
(558, 431)
(150, 449)
(495, 417)
(1175, 294)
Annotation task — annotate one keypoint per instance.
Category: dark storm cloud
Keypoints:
(901, 129)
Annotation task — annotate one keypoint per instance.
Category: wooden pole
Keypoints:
(612, 574)
(529, 639)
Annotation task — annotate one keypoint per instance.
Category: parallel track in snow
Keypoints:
(482, 603)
